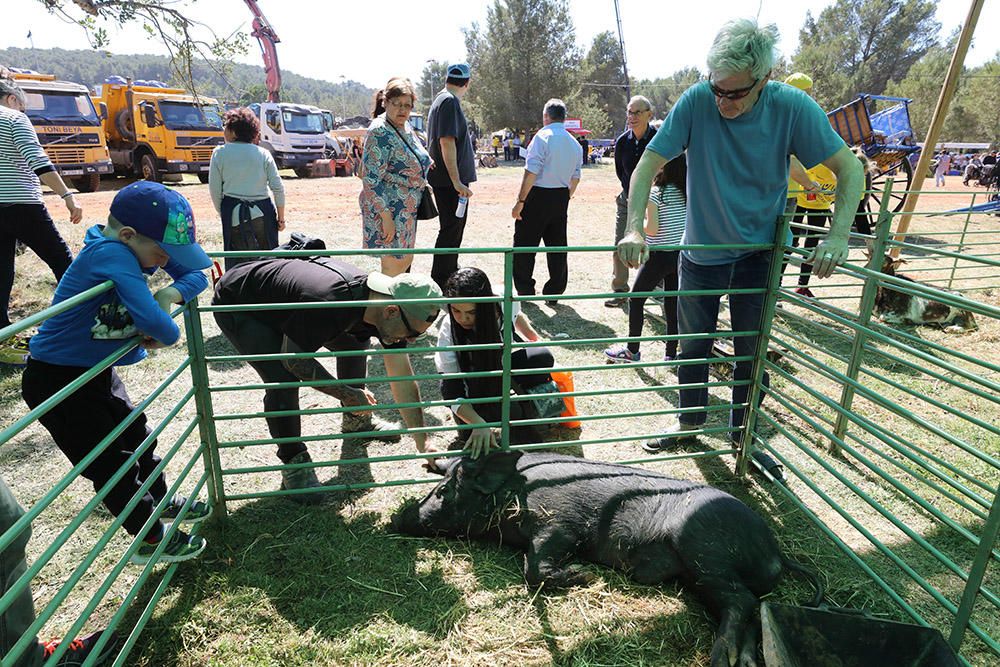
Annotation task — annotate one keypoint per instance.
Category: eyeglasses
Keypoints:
(397, 105)
(636, 113)
(736, 94)
(411, 334)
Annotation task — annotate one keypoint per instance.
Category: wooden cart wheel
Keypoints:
(902, 174)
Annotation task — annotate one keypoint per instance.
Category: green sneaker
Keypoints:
(181, 547)
(14, 351)
(354, 422)
(302, 478)
(197, 512)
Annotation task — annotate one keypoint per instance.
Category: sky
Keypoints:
(321, 39)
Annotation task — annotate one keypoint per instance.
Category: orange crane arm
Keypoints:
(267, 38)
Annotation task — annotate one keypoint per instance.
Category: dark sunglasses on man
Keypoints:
(411, 334)
(735, 94)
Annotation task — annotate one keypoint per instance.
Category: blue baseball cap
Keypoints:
(163, 215)
(459, 71)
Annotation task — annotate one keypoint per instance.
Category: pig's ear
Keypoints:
(489, 474)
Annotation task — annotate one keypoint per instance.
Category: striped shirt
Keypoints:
(22, 159)
(671, 215)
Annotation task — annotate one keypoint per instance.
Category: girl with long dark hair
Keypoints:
(478, 323)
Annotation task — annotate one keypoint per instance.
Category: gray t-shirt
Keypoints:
(446, 119)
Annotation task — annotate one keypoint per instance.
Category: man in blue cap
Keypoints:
(150, 227)
(450, 147)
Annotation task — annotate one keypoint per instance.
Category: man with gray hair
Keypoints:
(23, 216)
(628, 149)
(551, 174)
(738, 130)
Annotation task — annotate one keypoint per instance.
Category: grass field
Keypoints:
(285, 585)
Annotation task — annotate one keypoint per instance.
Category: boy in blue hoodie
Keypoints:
(150, 227)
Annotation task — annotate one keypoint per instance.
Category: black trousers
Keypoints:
(813, 218)
(83, 419)
(543, 218)
(661, 266)
(32, 225)
(251, 336)
(522, 359)
(449, 235)
(861, 222)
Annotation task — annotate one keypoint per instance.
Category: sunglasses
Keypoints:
(411, 335)
(736, 94)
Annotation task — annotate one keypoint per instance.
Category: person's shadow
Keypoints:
(319, 571)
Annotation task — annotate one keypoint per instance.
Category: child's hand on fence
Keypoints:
(167, 297)
(150, 343)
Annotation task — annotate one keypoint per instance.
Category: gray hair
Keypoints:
(642, 99)
(555, 109)
(8, 87)
(743, 45)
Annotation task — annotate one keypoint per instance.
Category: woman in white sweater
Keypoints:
(238, 180)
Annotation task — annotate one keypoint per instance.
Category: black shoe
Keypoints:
(767, 464)
(675, 435)
(80, 649)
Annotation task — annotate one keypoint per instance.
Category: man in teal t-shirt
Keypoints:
(738, 129)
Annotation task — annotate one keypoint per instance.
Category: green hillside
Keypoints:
(243, 83)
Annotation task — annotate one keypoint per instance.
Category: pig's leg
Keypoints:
(654, 563)
(543, 564)
(734, 605)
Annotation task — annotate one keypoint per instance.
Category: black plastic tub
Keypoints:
(805, 637)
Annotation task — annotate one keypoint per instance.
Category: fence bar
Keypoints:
(757, 372)
(205, 410)
(868, 293)
(974, 583)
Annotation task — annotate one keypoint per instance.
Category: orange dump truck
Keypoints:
(154, 130)
(68, 127)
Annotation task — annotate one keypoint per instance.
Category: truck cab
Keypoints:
(154, 130)
(68, 126)
(295, 134)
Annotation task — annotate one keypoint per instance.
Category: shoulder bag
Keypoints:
(426, 210)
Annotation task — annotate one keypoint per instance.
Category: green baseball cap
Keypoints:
(409, 286)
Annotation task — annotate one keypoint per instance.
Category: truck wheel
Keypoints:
(147, 168)
(88, 183)
(203, 177)
(123, 123)
(303, 172)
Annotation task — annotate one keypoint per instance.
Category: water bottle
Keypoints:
(463, 203)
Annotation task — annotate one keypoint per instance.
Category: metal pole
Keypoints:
(621, 43)
(203, 405)
(508, 338)
(961, 240)
(763, 340)
(937, 120)
(868, 294)
(976, 573)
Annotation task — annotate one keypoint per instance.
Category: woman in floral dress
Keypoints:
(395, 173)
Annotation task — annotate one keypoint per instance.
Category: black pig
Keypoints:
(561, 508)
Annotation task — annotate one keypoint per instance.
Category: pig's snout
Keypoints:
(407, 519)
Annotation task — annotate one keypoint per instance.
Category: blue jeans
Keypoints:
(700, 314)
